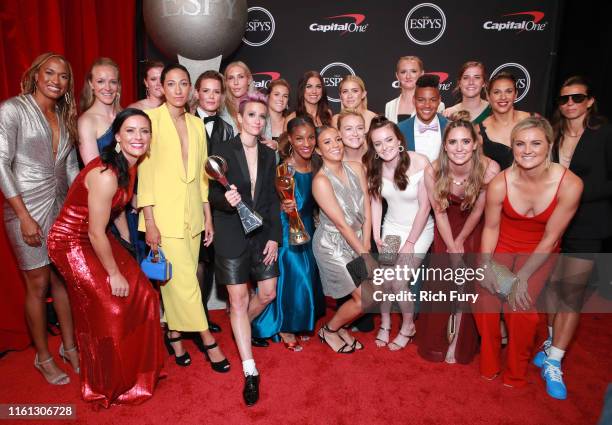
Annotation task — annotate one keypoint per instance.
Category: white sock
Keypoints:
(550, 332)
(248, 367)
(556, 354)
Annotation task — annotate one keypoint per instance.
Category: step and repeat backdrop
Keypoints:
(282, 39)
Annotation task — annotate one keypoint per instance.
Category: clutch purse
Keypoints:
(390, 248)
(358, 270)
(156, 267)
(451, 327)
(506, 280)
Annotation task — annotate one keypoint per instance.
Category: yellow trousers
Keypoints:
(181, 294)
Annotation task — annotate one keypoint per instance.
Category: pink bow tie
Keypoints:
(424, 127)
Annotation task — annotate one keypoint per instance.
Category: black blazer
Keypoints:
(222, 131)
(592, 162)
(230, 240)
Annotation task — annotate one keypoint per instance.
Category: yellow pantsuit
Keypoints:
(176, 198)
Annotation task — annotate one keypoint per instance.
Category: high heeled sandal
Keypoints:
(356, 344)
(409, 339)
(60, 379)
(185, 359)
(221, 366)
(292, 345)
(65, 358)
(345, 349)
(383, 342)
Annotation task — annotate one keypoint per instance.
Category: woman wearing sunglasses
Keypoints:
(583, 143)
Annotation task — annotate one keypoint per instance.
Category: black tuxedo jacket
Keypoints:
(222, 131)
(592, 162)
(230, 240)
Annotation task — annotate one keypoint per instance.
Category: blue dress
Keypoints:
(105, 139)
(299, 298)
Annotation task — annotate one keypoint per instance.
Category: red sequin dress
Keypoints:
(119, 338)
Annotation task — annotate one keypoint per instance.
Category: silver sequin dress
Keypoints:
(27, 168)
(330, 249)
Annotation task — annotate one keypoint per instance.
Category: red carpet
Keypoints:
(317, 386)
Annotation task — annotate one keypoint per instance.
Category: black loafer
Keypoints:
(259, 342)
(250, 393)
(214, 328)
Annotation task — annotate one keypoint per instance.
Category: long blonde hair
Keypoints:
(475, 181)
(66, 104)
(87, 96)
(361, 84)
(229, 97)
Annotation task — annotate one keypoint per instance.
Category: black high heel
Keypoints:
(345, 349)
(185, 359)
(220, 366)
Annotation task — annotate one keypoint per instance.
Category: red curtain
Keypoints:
(81, 30)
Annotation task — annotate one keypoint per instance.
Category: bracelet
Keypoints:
(410, 242)
(148, 219)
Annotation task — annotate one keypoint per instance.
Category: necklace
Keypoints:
(459, 182)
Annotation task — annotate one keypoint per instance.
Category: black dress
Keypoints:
(498, 152)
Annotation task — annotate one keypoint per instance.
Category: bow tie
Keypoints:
(213, 119)
(424, 127)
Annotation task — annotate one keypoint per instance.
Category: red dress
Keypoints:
(433, 318)
(119, 338)
(519, 236)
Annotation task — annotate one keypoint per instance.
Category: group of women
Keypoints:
(505, 184)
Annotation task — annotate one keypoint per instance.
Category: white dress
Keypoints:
(403, 206)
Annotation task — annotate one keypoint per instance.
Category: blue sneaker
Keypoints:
(551, 372)
(540, 358)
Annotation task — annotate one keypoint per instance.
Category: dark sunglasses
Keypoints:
(576, 98)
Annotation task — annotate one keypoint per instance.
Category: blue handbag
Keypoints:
(156, 267)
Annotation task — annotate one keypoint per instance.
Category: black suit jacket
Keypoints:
(222, 131)
(592, 162)
(230, 240)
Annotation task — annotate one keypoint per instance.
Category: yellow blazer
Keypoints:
(162, 182)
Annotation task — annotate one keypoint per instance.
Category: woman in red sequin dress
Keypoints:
(115, 308)
(528, 208)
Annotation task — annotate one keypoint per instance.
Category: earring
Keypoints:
(290, 150)
(376, 156)
(401, 148)
(67, 98)
(146, 92)
(117, 147)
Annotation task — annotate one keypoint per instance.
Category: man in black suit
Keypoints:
(209, 91)
(240, 257)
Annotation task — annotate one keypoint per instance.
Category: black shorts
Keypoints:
(249, 266)
(581, 248)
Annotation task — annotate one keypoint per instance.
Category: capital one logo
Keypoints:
(518, 21)
(262, 80)
(332, 74)
(353, 25)
(523, 79)
(425, 23)
(259, 28)
(444, 85)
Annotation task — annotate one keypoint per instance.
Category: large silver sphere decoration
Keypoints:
(195, 29)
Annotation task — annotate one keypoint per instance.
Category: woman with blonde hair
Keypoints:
(528, 207)
(456, 184)
(37, 165)
(238, 80)
(354, 98)
(352, 128)
(408, 70)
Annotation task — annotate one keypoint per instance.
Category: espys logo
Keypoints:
(518, 21)
(425, 23)
(262, 80)
(523, 79)
(332, 75)
(260, 27)
(444, 85)
(354, 24)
